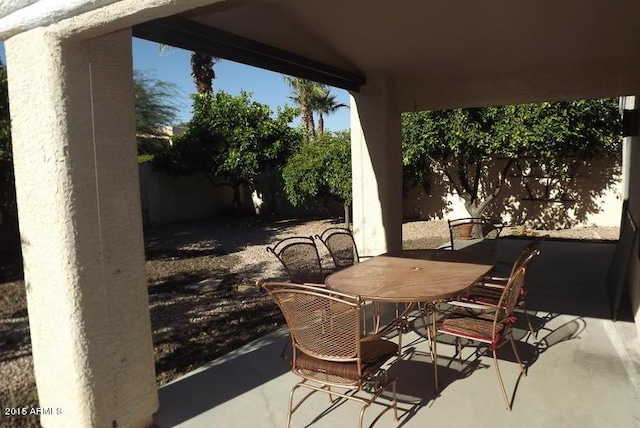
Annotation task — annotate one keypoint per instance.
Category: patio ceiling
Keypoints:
(449, 54)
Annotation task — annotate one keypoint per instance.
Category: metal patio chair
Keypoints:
(300, 258)
(341, 246)
(489, 325)
(344, 253)
(490, 290)
(329, 349)
(464, 232)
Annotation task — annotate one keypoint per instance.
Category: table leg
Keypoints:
(434, 344)
(429, 318)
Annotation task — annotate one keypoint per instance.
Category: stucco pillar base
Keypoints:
(377, 168)
(81, 228)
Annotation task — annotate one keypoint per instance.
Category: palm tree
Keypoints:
(325, 105)
(202, 71)
(304, 93)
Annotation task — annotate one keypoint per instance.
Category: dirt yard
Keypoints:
(202, 297)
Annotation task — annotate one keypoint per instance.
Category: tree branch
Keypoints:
(501, 180)
(503, 177)
(464, 180)
(476, 182)
(448, 174)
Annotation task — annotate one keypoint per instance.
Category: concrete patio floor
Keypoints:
(583, 370)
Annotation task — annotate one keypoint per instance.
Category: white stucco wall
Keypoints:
(599, 203)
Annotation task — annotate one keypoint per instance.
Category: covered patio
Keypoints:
(584, 371)
(72, 111)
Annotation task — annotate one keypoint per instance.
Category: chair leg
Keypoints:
(459, 348)
(504, 392)
(290, 405)
(523, 370)
(395, 401)
(362, 415)
(533, 332)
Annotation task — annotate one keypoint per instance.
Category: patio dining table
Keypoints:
(421, 277)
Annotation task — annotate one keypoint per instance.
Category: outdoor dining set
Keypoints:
(340, 342)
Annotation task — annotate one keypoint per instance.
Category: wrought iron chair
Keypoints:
(464, 232)
(341, 246)
(344, 252)
(491, 326)
(490, 290)
(329, 349)
(300, 258)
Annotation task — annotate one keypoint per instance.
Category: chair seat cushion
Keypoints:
(374, 354)
(473, 327)
(491, 295)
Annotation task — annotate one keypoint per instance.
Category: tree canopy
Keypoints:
(464, 143)
(312, 98)
(320, 168)
(154, 106)
(233, 139)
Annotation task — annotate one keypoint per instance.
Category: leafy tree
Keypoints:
(320, 168)
(154, 106)
(154, 110)
(231, 138)
(463, 144)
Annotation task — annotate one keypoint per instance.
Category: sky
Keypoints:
(266, 87)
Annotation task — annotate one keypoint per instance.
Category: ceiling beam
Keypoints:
(194, 36)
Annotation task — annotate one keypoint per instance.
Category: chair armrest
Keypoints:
(472, 305)
(489, 283)
(314, 285)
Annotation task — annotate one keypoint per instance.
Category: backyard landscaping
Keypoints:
(202, 297)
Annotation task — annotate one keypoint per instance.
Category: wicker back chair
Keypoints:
(492, 325)
(300, 258)
(341, 245)
(328, 347)
(466, 231)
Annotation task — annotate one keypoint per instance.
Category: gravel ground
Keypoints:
(201, 278)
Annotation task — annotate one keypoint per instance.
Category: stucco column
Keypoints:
(631, 178)
(80, 222)
(376, 154)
